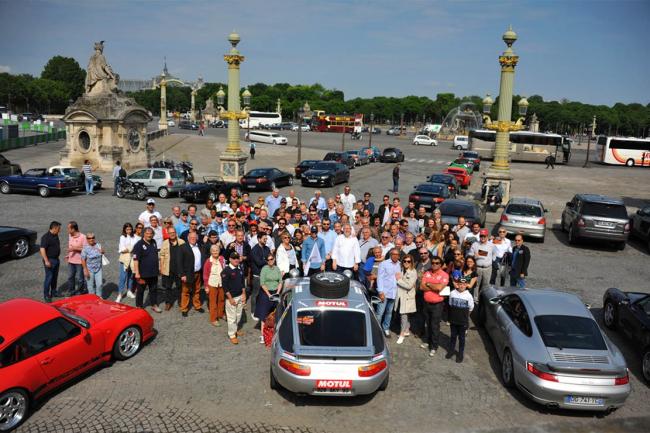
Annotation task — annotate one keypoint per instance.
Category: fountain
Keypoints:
(460, 121)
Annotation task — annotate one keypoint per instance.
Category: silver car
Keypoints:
(525, 216)
(160, 181)
(327, 340)
(552, 349)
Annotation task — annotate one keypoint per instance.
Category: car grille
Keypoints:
(567, 357)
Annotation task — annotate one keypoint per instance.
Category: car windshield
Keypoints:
(431, 188)
(260, 172)
(389, 150)
(323, 166)
(524, 210)
(470, 154)
(440, 179)
(452, 209)
(569, 332)
(334, 328)
(70, 171)
(606, 210)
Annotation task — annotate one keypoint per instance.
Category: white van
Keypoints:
(461, 142)
(266, 137)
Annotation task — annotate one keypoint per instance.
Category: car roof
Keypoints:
(457, 202)
(599, 198)
(303, 298)
(20, 315)
(525, 200)
(541, 302)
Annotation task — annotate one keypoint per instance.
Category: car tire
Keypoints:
(610, 314)
(621, 245)
(141, 193)
(273, 383)
(459, 147)
(163, 192)
(384, 384)
(573, 238)
(329, 285)
(5, 188)
(645, 364)
(212, 196)
(127, 343)
(43, 191)
(20, 248)
(507, 370)
(18, 400)
(290, 182)
(629, 162)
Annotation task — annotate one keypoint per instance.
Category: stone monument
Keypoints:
(103, 125)
(210, 112)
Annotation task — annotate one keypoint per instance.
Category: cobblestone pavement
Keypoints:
(190, 378)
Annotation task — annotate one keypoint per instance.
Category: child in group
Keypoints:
(461, 303)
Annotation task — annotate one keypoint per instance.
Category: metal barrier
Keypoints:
(153, 135)
(31, 140)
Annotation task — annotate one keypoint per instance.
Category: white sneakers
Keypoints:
(119, 298)
(400, 339)
(387, 333)
(432, 352)
(130, 294)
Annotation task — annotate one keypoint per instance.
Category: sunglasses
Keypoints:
(407, 261)
(231, 225)
(457, 254)
(90, 239)
(270, 258)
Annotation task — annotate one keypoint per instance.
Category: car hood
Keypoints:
(93, 308)
(7, 230)
(317, 173)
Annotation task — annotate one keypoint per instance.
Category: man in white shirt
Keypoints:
(386, 243)
(483, 252)
(157, 230)
(348, 200)
(346, 253)
(461, 229)
(502, 247)
(148, 213)
(223, 205)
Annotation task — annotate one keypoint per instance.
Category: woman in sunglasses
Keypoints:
(405, 302)
(270, 284)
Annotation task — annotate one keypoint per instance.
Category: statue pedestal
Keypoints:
(232, 166)
(493, 177)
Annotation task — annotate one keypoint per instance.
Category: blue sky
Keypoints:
(590, 51)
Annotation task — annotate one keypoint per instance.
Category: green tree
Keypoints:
(67, 71)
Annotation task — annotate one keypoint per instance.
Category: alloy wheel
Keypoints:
(13, 408)
(21, 248)
(129, 342)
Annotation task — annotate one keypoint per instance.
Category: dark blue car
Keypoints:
(37, 180)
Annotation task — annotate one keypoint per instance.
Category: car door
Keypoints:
(158, 179)
(641, 223)
(141, 176)
(635, 318)
(570, 211)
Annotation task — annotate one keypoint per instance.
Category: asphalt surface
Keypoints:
(190, 378)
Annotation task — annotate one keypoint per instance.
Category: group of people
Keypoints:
(238, 249)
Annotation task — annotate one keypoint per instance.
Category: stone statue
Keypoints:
(99, 75)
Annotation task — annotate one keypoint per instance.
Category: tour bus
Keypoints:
(525, 146)
(259, 119)
(623, 150)
(337, 123)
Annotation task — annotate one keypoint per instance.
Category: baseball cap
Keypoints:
(464, 279)
(314, 229)
(456, 274)
(284, 200)
(151, 201)
(234, 255)
(483, 232)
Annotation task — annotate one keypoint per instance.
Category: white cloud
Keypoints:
(5, 68)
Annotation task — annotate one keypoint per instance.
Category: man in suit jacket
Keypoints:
(520, 261)
(191, 275)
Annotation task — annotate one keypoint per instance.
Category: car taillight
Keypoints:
(372, 369)
(261, 180)
(504, 218)
(59, 184)
(170, 183)
(541, 374)
(450, 187)
(438, 199)
(623, 380)
(295, 368)
(414, 197)
(627, 227)
(542, 221)
(581, 222)
(241, 180)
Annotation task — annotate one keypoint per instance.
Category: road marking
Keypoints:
(427, 161)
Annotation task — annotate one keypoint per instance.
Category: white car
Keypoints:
(305, 128)
(461, 142)
(171, 123)
(424, 140)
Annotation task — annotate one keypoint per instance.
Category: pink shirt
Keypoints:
(438, 277)
(78, 242)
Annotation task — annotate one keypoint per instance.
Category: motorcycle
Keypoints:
(129, 188)
(184, 167)
(494, 195)
(356, 136)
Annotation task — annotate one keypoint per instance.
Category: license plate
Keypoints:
(605, 224)
(312, 180)
(584, 401)
(251, 186)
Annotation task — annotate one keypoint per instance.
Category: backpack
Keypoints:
(122, 172)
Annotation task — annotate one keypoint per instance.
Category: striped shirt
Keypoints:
(88, 171)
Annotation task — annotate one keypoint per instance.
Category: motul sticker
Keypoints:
(333, 384)
(331, 303)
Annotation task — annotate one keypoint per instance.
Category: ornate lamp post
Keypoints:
(499, 171)
(195, 89)
(232, 162)
(305, 110)
(372, 128)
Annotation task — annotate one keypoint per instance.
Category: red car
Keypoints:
(43, 346)
(464, 179)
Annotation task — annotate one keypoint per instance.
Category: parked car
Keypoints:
(210, 188)
(474, 157)
(7, 168)
(453, 208)
(266, 137)
(525, 216)
(327, 173)
(340, 157)
(640, 225)
(16, 242)
(171, 123)
(447, 179)
(304, 166)
(463, 177)
(186, 124)
(304, 127)
(429, 195)
(161, 181)
(37, 180)
(552, 349)
(463, 163)
(629, 312)
(266, 178)
(395, 130)
(391, 154)
(360, 157)
(424, 140)
(373, 153)
(44, 346)
(76, 174)
(327, 340)
(593, 216)
(461, 142)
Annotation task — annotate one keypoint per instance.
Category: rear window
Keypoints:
(524, 210)
(456, 210)
(569, 332)
(324, 166)
(258, 173)
(338, 328)
(433, 189)
(605, 210)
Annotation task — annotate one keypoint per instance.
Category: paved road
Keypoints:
(191, 379)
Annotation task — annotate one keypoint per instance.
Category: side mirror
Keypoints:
(569, 204)
(625, 301)
(495, 301)
(375, 300)
(546, 211)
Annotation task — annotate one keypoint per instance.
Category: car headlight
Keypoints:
(324, 177)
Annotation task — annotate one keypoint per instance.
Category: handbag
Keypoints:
(105, 261)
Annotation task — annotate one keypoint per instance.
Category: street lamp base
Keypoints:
(232, 166)
(495, 177)
(162, 126)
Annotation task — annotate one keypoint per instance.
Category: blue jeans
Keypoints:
(395, 184)
(385, 311)
(75, 278)
(89, 185)
(517, 281)
(51, 277)
(125, 281)
(94, 282)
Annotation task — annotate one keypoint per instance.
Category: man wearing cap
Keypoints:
(183, 223)
(273, 201)
(461, 305)
(313, 253)
(232, 278)
(150, 211)
(191, 275)
(283, 208)
(483, 253)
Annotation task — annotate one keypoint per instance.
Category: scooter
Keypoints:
(494, 197)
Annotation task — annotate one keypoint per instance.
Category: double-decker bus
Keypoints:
(525, 146)
(337, 123)
(259, 119)
(623, 150)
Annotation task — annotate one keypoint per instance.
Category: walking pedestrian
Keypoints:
(432, 283)
(146, 270)
(396, 178)
(232, 279)
(125, 282)
(118, 174)
(50, 251)
(520, 262)
(461, 305)
(91, 260)
(88, 177)
(76, 242)
(550, 162)
(252, 150)
(405, 302)
(212, 269)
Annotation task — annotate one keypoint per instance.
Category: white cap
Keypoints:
(151, 201)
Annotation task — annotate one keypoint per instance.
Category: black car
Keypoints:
(7, 168)
(429, 195)
(391, 154)
(453, 208)
(448, 179)
(266, 178)
(185, 124)
(327, 173)
(640, 225)
(16, 242)
(210, 188)
(341, 158)
(304, 166)
(630, 313)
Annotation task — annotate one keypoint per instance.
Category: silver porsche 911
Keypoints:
(552, 349)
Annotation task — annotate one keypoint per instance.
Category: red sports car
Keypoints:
(43, 346)
(464, 178)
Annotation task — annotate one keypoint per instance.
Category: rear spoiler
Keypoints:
(591, 369)
(333, 352)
